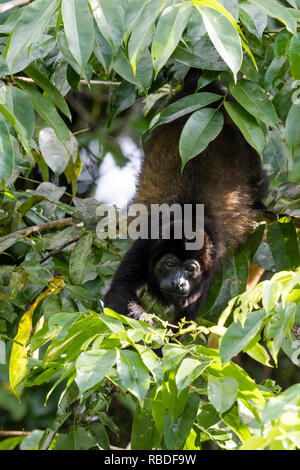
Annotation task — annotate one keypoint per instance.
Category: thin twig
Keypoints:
(40, 228)
(59, 249)
(82, 82)
(14, 433)
(12, 4)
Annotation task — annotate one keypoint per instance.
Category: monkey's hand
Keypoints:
(138, 313)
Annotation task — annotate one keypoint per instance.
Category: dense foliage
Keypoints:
(54, 268)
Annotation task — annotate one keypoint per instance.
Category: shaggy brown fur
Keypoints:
(227, 178)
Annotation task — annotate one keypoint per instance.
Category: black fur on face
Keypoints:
(178, 276)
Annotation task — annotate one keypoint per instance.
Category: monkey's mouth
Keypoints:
(173, 294)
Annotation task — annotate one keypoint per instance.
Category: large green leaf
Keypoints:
(253, 18)
(279, 327)
(278, 11)
(237, 337)
(224, 37)
(78, 259)
(200, 129)
(133, 374)
(176, 432)
(222, 392)
(292, 126)
(247, 125)
(46, 109)
(141, 31)
(168, 32)
(19, 106)
(29, 28)
(108, 19)
(285, 401)
(79, 29)
(143, 73)
(92, 366)
(184, 106)
(43, 81)
(189, 370)
(254, 99)
(143, 427)
(7, 155)
(282, 239)
(294, 56)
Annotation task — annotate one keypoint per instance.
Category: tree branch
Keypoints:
(40, 228)
(12, 4)
(14, 433)
(82, 82)
(60, 248)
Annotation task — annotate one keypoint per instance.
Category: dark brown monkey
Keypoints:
(227, 177)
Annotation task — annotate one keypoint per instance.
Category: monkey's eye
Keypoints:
(191, 269)
(170, 264)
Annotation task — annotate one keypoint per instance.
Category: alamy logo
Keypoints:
(161, 221)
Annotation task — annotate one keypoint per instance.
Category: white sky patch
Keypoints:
(117, 185)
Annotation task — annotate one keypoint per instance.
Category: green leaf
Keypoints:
(224, 37)
(271, 293)
(79, 438)
(201, 128)
(33, 72)
(291, 126)
(237, 336)
(133, 11)
(249, 127)
(278, 11)
(10, 100)
(259, 353)
(31, 442)
(186, 105)
(168, 32)
(172, 355)
(143, 427)
(143, 73)
(133, 374)
(107, 14)
(29, 28)
(7, 154)
(102, 50)
(279, 327)
(253, 18)
(92, 366)
(64, 48)
(74, 337)
(254, 99)
(20, 106)
(46, 109)
(78, 258)
(176, 432)
(294, 56)
(151, 361)
(285, 401)
(141, 31)
(222, 392)
(79, 29)
(282, 240)
(11, 442)
(188, 371)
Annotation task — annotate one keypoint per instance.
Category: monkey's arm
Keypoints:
(130, 275)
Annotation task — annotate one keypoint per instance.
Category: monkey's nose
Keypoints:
(181, 286)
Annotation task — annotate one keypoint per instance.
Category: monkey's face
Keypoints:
(176, 279)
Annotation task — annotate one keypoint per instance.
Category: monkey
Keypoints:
(227, 178)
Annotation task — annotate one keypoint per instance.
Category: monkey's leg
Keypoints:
(130, 275)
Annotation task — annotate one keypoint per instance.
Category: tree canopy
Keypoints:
(133, 55)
